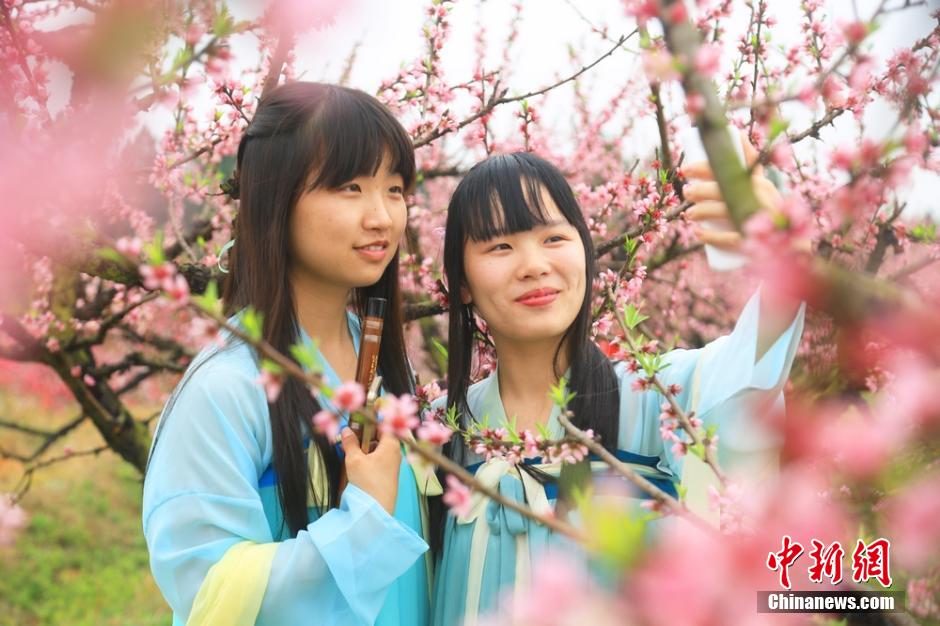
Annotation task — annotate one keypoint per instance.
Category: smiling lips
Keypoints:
(374, 251)
(538, 297)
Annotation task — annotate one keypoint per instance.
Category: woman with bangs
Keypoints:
(250, 516)
(518, 255)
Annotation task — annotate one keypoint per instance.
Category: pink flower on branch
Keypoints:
(13, 520)
(272, 384)
(350, 396)
(707, 59)
(642, 10)
(325, 423)
(457, 496)
(398, 415)
(434, 432)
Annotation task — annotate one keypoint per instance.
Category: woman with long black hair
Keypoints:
(247, 512)
(519, 256)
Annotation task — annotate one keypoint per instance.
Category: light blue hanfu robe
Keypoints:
(489, 552)
(211, 485)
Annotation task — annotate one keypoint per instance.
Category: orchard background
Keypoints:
(119, 124)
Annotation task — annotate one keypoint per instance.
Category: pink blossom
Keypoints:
(912, 517)
(350, 396)
(178, 290)
(457, 496)
(659, 66)
(561, 593)
(832, 93)
(129, 246)
(398, 414)
(677, 12)
(272, 384)
(430, 392)
(155, 276)
(325, 423)
(707, 59)
(854, 32)
(434, 432)
(13, 519)
(922, 597)
(642, 10)
(532, 442)
(203, 331)
(694, 104)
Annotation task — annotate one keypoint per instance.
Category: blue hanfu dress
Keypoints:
(488, 553)
(211, 486)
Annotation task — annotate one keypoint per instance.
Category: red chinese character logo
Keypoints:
(784, 559)
(872, 561)
(826, 562)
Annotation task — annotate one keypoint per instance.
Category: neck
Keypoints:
(527, 369)
(321, 310)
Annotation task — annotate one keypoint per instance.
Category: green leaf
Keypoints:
(111, 254)
(777, 126)
(512, 433)
(223, 24)
(543, 431)
(698, 449)
(268, 365)
(209, 301)
(617, 536)
(924, 233)
(441, 348)
(560, 395)
(632, 317)
(451, 417)
(252, 322)
(629, 246)
(307, 355)
(153, 250)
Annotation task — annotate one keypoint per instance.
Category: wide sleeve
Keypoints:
(201, 498)
(729, 388)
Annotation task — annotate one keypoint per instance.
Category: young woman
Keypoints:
(244, 513)
(518, 254)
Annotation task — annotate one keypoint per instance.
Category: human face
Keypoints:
(346, 237)
(528, 286)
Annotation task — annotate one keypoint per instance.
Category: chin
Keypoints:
(366, 279)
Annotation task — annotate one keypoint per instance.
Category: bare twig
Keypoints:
(503, 99)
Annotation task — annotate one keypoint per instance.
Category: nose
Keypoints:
(378, 215)
(532, 263)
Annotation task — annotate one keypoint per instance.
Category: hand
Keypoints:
(709, 206)
(376, 473)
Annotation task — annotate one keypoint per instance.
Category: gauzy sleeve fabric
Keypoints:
(201, 498)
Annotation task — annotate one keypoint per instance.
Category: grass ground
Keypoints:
(82, 559)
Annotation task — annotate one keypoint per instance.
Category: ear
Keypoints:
(465, 295)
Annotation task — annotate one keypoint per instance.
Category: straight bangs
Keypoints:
(503, 195)
(354, 133)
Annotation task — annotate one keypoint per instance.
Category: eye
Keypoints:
(498, 247)
(555, 238)
(354, 187)
(396, 189)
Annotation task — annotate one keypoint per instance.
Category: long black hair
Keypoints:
(330, 134)
(503, 195)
